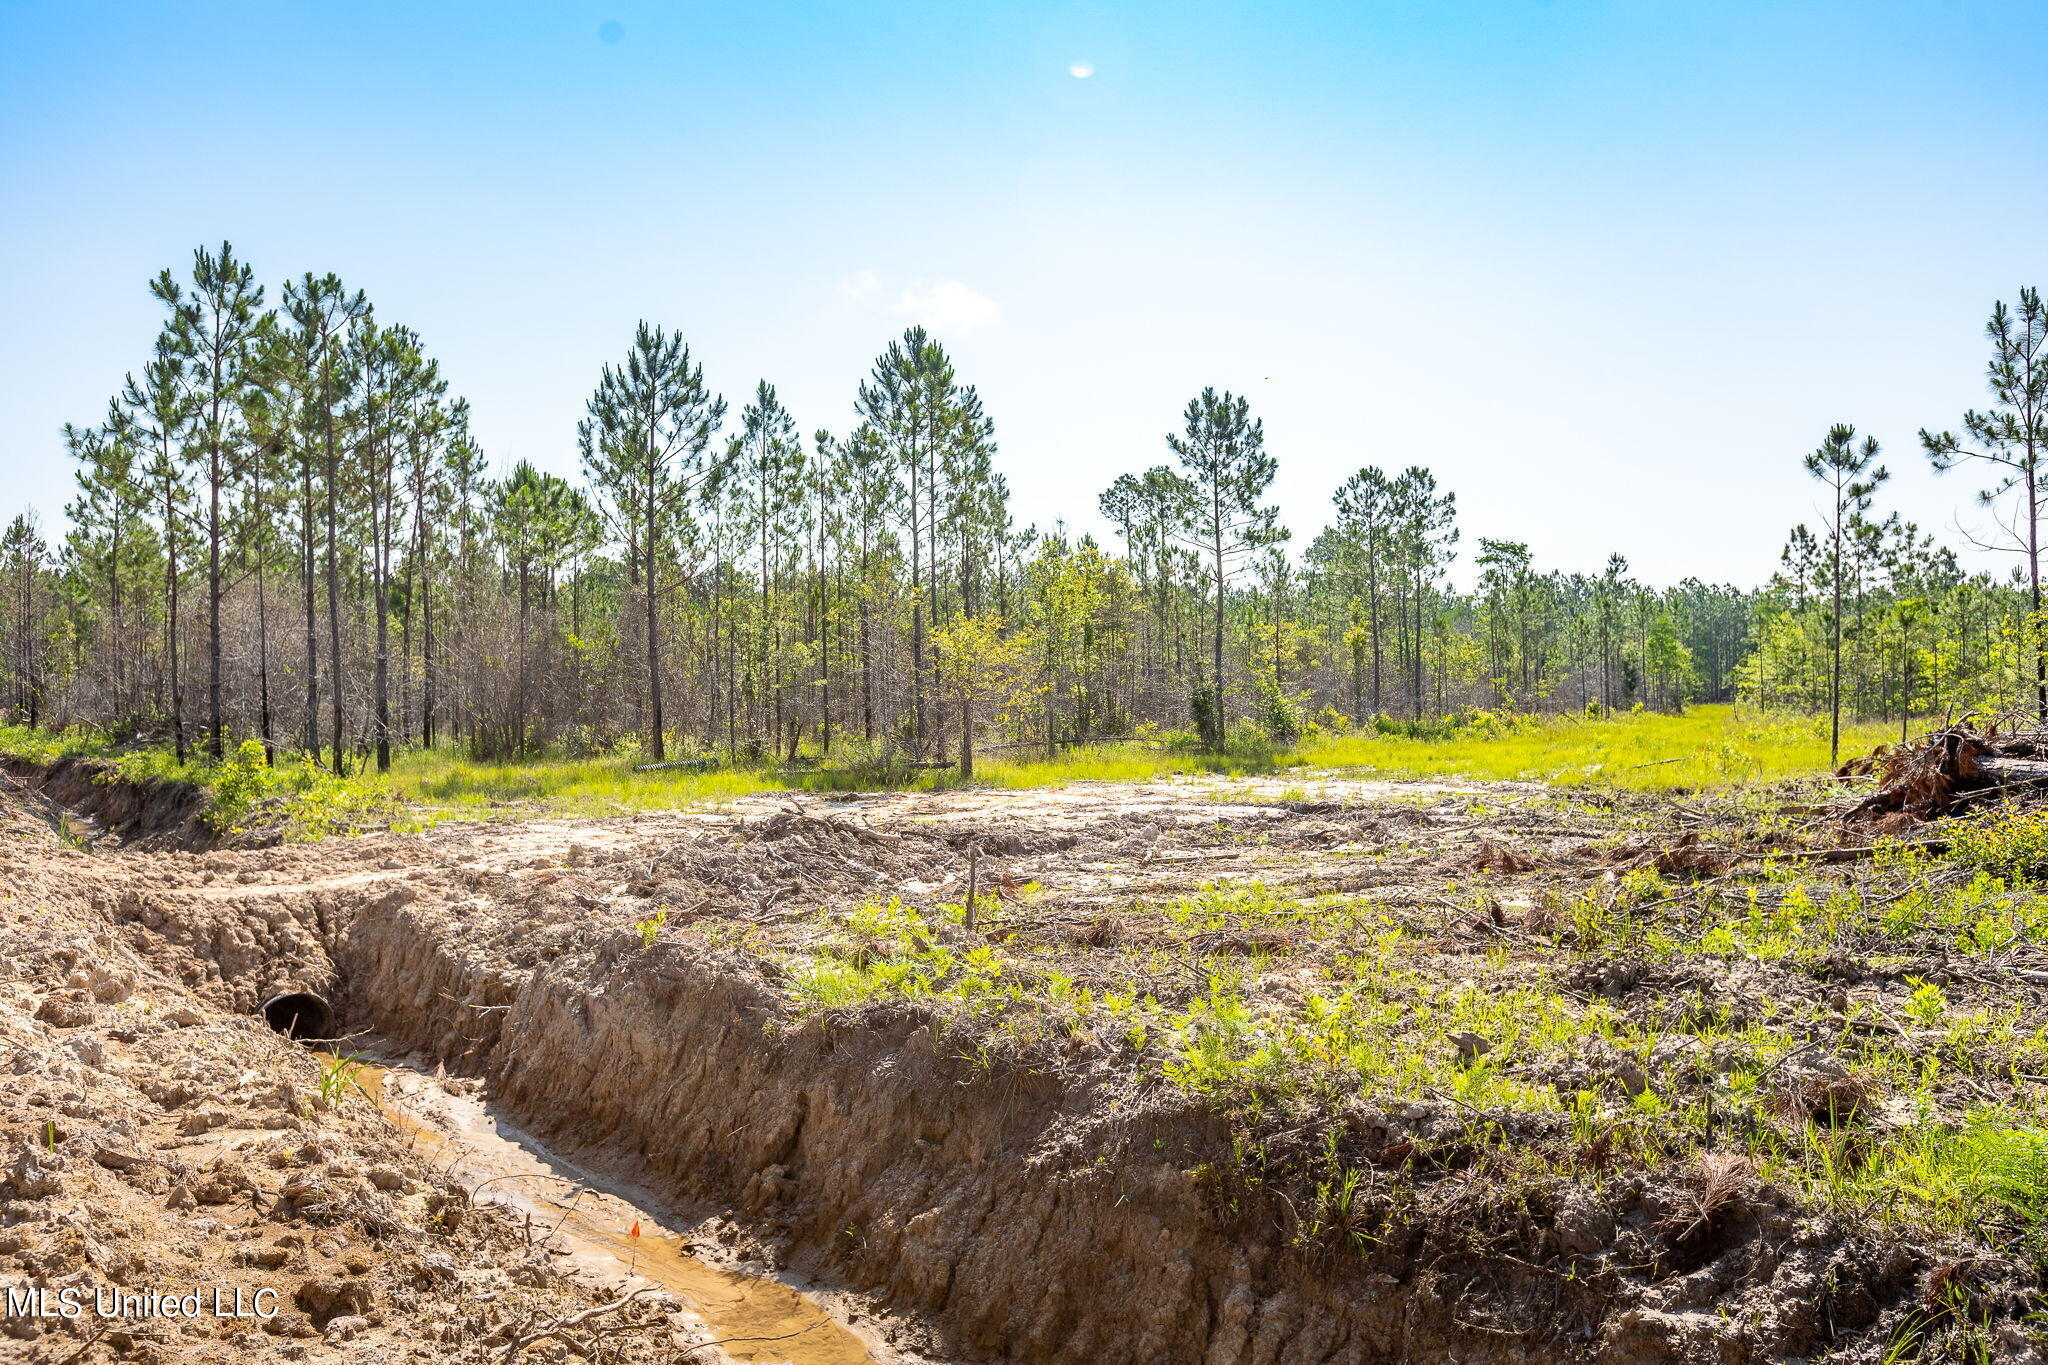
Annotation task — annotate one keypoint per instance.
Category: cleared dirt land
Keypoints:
(1220, 1071)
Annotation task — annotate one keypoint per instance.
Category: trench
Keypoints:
(994, 1213)
(146, 812)
(997, 1214)
(604, 1231)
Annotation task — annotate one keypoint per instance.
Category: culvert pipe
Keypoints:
(299, 1014)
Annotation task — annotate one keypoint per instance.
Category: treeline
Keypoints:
(285, 530)
(1918, 636)
(1868, 616)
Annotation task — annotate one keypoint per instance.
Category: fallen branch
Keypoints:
(559, 1327)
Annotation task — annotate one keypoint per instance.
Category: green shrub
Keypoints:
(298, 797)
(47, 746)
(1205, 711)
(1443, 727)
(1330, 721)
(2014, 846)
(1248, 746)
(239, 784)
(1280, 711)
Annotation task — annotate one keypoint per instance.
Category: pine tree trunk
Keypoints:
(177, 684)
(966, 734)
(334, 667)
(263, 662)
(213, 708)
(657, 743)
(306, 511)
(427, 661)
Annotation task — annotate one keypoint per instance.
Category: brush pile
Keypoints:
(1945, 772)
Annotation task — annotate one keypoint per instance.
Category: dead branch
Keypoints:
(561, 1326)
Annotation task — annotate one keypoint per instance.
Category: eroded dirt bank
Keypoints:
(82, 796)
(1033, 1192)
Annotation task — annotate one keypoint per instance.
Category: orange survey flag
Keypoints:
(636, 1229)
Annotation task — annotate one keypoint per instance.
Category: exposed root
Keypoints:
(1941, 773)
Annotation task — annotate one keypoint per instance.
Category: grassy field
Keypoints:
(1707, 748)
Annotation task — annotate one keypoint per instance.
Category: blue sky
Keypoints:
(1608, 266)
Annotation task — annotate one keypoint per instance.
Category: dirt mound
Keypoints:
(799, 854)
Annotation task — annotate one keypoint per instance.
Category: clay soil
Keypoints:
(768, 1033)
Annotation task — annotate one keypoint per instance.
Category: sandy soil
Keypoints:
(159, 1137)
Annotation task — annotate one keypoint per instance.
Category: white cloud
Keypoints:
(1081, 71)
(947, 306)
(860, 286)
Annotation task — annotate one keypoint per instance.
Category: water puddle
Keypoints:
(755, 1319)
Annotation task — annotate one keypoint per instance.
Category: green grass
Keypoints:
(1709, 747)
(450, 783)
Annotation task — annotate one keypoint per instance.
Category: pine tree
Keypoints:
(866, 472)
(1424, 530)
(1364, 503)
(429, 427)
(910, 401)
(398, 384)
(323, 312)
(107, 542)
(463, 473)
(221, 315)
(1851, 475)
(272, 407)
(2012, 438)
(764, 466)
(23, 556)
(533, 514)
(1146, 510)
(1224, 471)
(157, 414)
(650, 422)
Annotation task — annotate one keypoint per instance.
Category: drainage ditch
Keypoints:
(1016, 1216)
(995, 1213)
(1037, 1206)
(608, 1231)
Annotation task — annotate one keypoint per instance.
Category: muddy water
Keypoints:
(608, 1237)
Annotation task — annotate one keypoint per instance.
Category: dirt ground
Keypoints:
(696, 1024)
